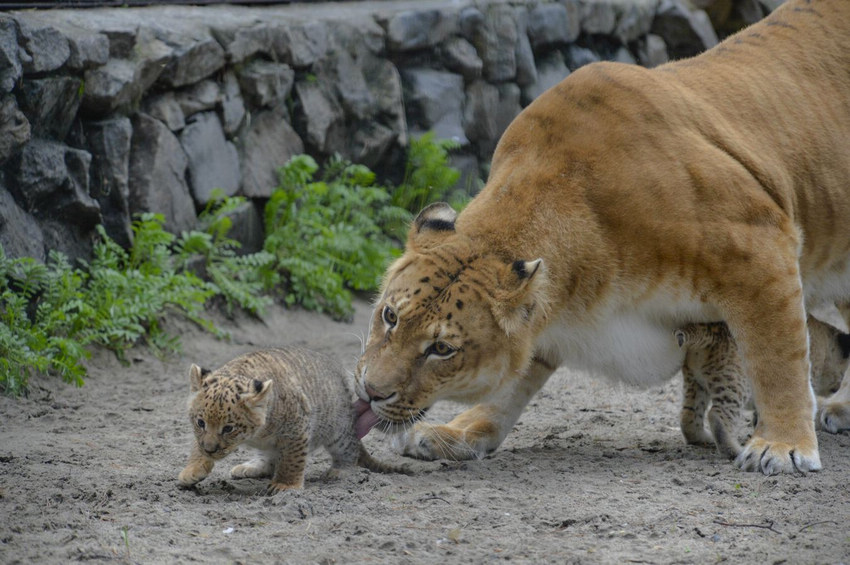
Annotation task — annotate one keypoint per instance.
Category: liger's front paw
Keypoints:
(430, 442)
(275, 487)
(773, 458)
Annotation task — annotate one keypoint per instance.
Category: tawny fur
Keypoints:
(710, 189)
(715, 377)
(283, 402)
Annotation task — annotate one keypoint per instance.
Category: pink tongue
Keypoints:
(366, 419)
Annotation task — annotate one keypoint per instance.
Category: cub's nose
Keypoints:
(374, 394)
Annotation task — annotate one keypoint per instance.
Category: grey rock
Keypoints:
(344, 76)
(51, 104)
(526, 70)
(550, 71)
(108, 141)
(418, 29)
(213, 161)
(301, 44)
(434, 101)
(242, 42)
(598, 16)
(623, 55)
(459, 56)
(370, 142)
(87, 50)
(158, 175)
(770, 5)
(20, 234)
(267, 145)
(550, 25)
(652, 51)
(43, 47)
(319, 119)
(488, 111)
(265, 84)
(232, 104)
(686, 32)
(470, 182)
(193, 59)
(386, 89)
(577, 56)
(15, 130)
(634, 19)
(121, 83)
(247, 228)
(10, 64)
(470, 19)
(122, 37)
(496, 42)
(165, 108)
(750, 11)
(199, 97)
(52, 181)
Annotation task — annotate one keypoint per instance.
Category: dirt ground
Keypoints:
(592, 473)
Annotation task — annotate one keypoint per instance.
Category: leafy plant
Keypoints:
(329, 235)
(427, 175)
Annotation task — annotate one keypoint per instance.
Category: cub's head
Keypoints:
(225, 410)
(452, 322)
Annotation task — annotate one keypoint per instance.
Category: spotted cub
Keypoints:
(283, 402)
(713, 372)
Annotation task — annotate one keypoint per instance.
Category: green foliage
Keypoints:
(427, 176)
(239, 279)
(329, 235)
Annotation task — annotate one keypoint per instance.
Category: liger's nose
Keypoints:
(374, 394)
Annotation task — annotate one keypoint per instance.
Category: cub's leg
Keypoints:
(834, 412)
(259, 467)
(344, 451)
(289, 464)
(197, 468)
(479, 430)
(762, 303)
(692, 415)
(729, 393)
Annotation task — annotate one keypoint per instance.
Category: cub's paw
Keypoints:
(772, 458)
(253, 469)
(429, 442)
(834, 417)
(190, 476)
(275, 488)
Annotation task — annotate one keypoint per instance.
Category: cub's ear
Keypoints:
(521, 295)
(196, 377)
(258, 393)
(433, 223)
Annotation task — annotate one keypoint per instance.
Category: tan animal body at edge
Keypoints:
(624, 203)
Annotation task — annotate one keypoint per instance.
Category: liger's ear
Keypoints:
(434, 222)
(196, 377)
(521, 295)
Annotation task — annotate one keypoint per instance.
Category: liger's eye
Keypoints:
(200, 423)
(440, 349)
(390, 317)
(227, 429)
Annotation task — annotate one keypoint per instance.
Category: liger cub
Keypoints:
(283, 402)
(714, 374)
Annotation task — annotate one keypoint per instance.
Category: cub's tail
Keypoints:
(367, 461)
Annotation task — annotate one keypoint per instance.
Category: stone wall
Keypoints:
(105, 113)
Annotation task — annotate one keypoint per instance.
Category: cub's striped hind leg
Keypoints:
(834, 413)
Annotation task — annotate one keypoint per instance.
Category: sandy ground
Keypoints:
(592, 473)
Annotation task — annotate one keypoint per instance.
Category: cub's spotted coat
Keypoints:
(283, 402)
(713, 373)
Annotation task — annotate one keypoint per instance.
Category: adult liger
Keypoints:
(624, 203)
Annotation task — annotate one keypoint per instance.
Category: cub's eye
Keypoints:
(227, 429)
(440, 349)
(200, 423)
(390, 317)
